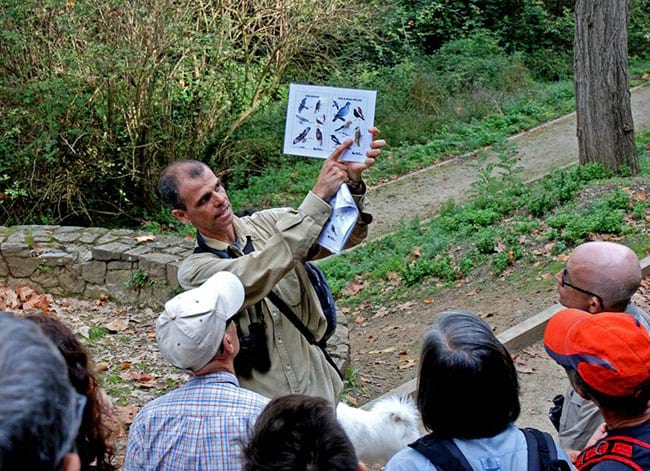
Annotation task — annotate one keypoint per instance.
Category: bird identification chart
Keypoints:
(320, 118)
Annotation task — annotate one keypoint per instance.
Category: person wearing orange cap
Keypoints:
(607, 359)
(598, 277)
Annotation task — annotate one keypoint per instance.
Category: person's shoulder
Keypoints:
(408, 459)
(251, 399)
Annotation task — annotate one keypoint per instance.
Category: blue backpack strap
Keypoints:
(325, 297)
(444, 454)
(542, 453)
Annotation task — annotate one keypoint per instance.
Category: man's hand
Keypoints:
(355, 169)
(333, 173)
(598, 435)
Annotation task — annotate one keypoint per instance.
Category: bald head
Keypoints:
(607, 269)
(170, 178)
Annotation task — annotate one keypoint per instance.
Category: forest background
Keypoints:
(97, 96)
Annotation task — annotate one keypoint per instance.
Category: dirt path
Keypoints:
(542, 149)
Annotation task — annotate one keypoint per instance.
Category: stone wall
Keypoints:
(88, 261)
(130, 267)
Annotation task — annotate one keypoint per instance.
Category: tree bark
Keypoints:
(604, 113)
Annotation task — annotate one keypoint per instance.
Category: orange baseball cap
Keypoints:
(610, 350)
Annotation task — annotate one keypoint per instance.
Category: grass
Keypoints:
(504, 224)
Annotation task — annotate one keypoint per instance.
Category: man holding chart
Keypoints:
(267, 251)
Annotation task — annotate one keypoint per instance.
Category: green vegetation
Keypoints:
(97, 332)
(505, 221)
(99, 95)
(139, 280)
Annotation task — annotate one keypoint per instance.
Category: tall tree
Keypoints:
(605, 126)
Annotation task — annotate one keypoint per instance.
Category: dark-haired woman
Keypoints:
(92, 443)
(468, 396)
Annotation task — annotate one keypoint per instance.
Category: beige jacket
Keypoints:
(282, 239)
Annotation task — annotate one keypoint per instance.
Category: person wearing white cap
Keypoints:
(199, 425)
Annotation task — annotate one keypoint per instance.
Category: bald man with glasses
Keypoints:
(598, 277)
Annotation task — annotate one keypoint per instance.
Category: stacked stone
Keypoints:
(90, 261)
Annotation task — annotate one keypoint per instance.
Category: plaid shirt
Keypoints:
(195, 427)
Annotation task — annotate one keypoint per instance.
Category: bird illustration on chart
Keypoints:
(357, 136)
(302, 137)
(342, 112)
(346, 125)
(303, 105)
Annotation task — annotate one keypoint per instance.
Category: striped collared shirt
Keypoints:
(195, 427)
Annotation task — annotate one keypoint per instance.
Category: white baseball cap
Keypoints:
(192, 326)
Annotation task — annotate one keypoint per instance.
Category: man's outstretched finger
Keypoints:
(340, 149)
(374, 131)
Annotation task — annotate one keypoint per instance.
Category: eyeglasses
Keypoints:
(565, 274)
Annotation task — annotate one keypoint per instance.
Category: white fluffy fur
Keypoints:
(379, 433)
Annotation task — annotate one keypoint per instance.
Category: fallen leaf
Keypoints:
(408, 364)
(145, 238)
(151, 335)
(405, 305)
(84, 331)
(125, 365)
(117, 325)
(101, 366)
(360, 320)
(102, 300)
(390, 327)
(403, 352)
(382, 312)
(352, 288)
(385, 350)
(416, 252)
(24, 292)
(392, 275)
(525, 370)
(140, 377)
(428, 300)
(547, 276)
(345, 310)
(561, 258)
(351, 400)
(472, 293)
(640, 196)
(499, 247)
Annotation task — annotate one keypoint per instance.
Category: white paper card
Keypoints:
(344, 217)
(319, 118)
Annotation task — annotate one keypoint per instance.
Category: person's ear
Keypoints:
(71, 462)
(181, 215)
(228, 341)
(594, 305)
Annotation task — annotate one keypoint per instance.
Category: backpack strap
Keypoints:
(542, 453)
(629, 451)
(295, 320)
(444, 454)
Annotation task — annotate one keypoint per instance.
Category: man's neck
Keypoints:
(228, 236)
(216, 366)
(614, 421)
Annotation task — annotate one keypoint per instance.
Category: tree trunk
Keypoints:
(604, 113)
